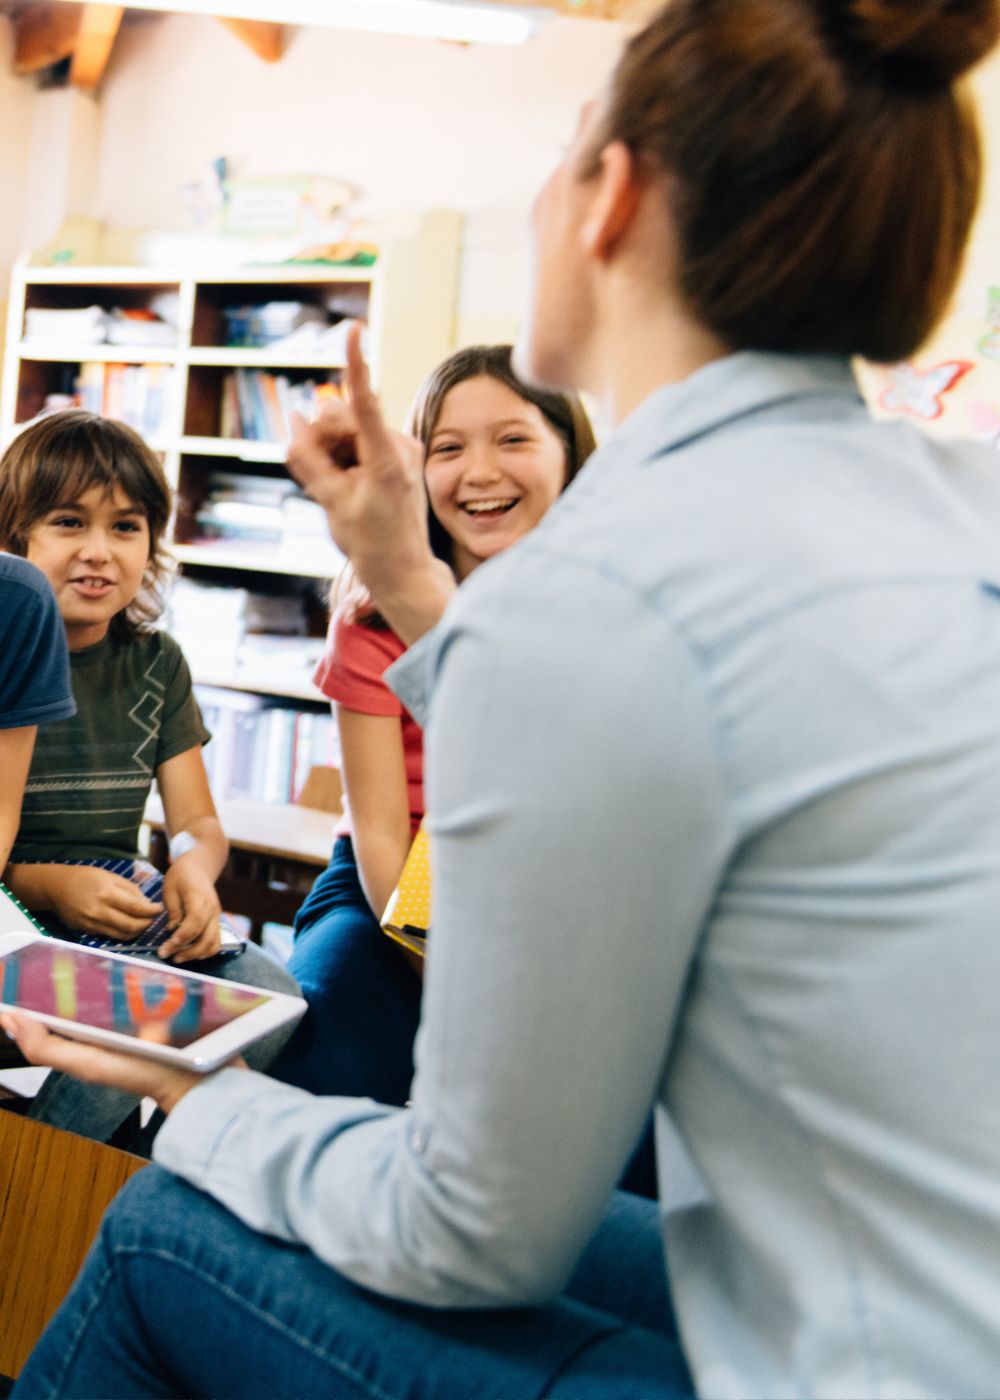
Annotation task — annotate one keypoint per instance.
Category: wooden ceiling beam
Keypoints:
(98, 30)
(263, 37)
(43, 35)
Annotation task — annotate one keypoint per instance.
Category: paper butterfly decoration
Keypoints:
(920, 392)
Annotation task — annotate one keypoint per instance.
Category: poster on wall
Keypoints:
(952, 386)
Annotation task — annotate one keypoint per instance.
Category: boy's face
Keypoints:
(93, 551)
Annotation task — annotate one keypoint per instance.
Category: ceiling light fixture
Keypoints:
(437, 19)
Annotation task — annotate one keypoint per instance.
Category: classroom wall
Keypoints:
(413, 124)
(16, 112)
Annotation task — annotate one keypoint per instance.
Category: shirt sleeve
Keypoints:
(579, 824)
(412, 676)
(353, 667)
(181, 726)
(35, 685)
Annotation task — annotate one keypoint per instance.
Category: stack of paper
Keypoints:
(84, 325)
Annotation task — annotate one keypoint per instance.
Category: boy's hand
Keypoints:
(94, 1065)
(86, 897)
(193, 906)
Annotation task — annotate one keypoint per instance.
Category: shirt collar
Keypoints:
(723, 390)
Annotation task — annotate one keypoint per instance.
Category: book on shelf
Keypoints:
(135, 394)
(257, 406)
(244, 510)
(243, 507)
(261, 748)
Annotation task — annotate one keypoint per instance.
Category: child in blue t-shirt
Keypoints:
(34, 689)
(85, 499)
(34, 680)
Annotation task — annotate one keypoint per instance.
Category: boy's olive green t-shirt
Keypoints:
(91, 775)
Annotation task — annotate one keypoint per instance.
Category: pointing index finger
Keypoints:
(372, 431)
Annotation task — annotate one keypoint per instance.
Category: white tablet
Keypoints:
(169, 1014)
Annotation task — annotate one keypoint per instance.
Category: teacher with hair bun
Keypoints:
(713, 763)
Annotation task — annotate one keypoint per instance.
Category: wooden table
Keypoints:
(54, 1188)
(275, 853)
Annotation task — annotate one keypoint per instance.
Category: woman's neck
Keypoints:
(642, 352)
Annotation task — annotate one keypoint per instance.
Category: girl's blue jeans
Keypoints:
(357, 1037)
(179, 1298)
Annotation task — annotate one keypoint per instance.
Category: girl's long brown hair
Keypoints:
(564, 413)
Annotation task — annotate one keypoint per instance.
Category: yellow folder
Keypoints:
(407, 916)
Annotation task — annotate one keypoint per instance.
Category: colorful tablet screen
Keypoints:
(149, 1002)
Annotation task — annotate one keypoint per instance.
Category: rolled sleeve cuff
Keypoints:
(194, 1135)
(411, 677)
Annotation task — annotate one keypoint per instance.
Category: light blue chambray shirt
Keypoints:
(714, 783)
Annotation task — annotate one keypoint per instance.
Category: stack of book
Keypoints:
(279, 664)
(79, 325)
(207, 620)
(243, 508)
(254, 641)
(153, 325)
(140, 326)
(253, 327)
(247, 512)
(258, 406)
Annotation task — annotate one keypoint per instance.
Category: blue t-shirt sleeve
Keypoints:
(35, 683)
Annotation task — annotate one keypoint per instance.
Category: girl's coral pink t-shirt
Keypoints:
(351, 673)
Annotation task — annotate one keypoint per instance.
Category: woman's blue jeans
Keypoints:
(357, 1037)
(179, 1298)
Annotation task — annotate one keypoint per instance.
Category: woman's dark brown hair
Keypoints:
(822, 167)
(58, 458)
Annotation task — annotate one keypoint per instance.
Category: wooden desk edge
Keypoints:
(280, 831)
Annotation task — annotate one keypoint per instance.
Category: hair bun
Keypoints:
(925, 44)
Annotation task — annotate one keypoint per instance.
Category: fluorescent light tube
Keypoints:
(433, 19)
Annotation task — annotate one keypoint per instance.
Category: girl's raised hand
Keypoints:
(369, 480)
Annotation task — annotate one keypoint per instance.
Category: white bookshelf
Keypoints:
(407, 299)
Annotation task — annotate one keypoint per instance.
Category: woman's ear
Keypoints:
(617, 191)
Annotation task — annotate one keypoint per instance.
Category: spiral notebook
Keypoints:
(14, 918)
(149, 880)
